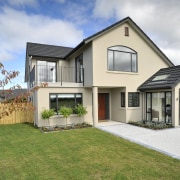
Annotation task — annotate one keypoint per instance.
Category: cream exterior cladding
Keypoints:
(103, 73)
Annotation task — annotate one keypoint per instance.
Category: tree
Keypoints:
(7, 77)
(65, 111)
(18, 103)
(80, 110)
(46, 114)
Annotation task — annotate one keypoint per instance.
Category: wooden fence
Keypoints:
(17, 116)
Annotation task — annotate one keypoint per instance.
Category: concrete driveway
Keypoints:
(166, 141)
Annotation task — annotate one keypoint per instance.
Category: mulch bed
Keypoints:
(64, 127)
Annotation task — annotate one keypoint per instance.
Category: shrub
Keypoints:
(80, 110)
(46, 114)
(65, 111)
(151, 124)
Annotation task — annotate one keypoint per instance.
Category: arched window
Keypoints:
(121, 58)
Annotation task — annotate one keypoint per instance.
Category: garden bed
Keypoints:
(64, 127)
(152, 124)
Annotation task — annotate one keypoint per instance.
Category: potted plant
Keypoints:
(65, 111)
(80, 110)
(46, 114)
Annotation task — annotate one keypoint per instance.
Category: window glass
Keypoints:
(133, 99)
(159, 106)
(122, 61)
(148, 106)
(67, 100)
(78, 99)
(158, 103)
(122, 58)
(53, 102)
(123, 99)
(110, 60)
(161, 77)
(168, 108)
(46, 71)
(122, 48)
(134, 65)
(63, 99)
(79, 68)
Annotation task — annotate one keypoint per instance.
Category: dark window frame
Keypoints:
(133, 99)
(130, 51)
(79, 69)
(149, 111)
(56, 100)
(123, 99)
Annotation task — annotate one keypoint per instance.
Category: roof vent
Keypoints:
(126, 31)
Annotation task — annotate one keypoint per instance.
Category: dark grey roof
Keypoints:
(44, 50)
(8, 94)
(172, 79)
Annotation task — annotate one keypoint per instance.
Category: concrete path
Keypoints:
(166, 141)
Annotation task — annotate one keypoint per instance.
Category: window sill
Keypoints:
(61, 116)
(130, 108)
(123, 72)
(134, 108)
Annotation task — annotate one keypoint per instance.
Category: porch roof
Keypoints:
(165, 78)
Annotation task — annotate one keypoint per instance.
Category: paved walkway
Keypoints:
(166, 141)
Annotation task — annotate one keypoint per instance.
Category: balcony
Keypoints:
(57, 76)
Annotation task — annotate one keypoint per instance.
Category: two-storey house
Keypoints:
(106, 73)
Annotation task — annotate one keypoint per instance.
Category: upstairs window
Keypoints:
(79, 68)
(121, 58)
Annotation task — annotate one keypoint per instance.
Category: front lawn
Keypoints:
(26, 153)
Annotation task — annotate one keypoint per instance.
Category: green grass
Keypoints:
(26, 153)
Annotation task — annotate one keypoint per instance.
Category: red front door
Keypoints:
(101, 106)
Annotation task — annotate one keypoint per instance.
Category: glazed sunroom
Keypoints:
(161, 96)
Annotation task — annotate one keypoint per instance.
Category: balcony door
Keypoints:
(46, 71)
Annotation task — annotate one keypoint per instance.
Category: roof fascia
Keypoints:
(150, 42)
(136, 28)
(98, 34)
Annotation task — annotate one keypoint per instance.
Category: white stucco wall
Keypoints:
(43, 103)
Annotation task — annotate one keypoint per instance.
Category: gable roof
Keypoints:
(44, 50)
(49, 51)
(135, 27)
(165, 78)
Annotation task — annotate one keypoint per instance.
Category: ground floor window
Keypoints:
(123, 99)
(133, 99)
(158, 106)
(64, 99)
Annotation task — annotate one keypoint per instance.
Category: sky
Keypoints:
(68, 22)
